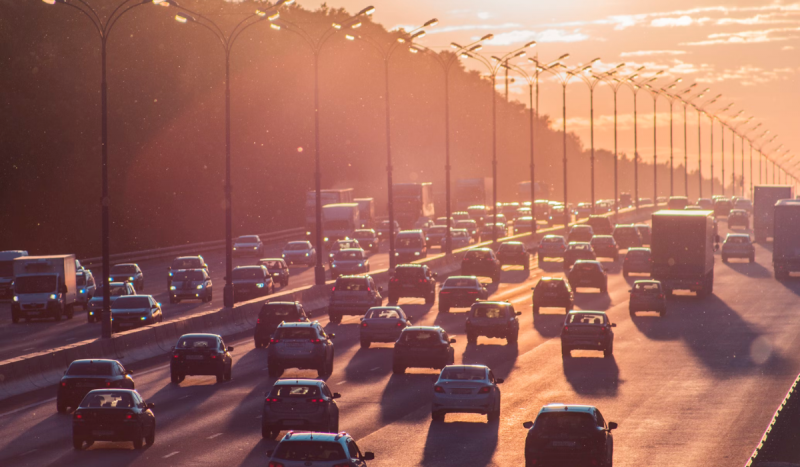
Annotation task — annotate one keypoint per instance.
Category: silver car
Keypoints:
(738, 246)
(466, 389)
(127, 272)
(248, 245)
(299, 253)
(190, 284)
(84, 281)
(459, 238)
(318, 450)
(349, 261)
(117, 289)
(306, 404)
(134, 311)
(383, 324)
(301, 345)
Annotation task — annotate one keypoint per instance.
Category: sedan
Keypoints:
(349, 261)
(466, 389)
(248, 245)
(738, 217)
(299, 253)
(113, 415)
(128, 272)
(368, 239)
(382, 324)
(84, 375)
(461, 292)
(135, 311)
(588, 330)
(201, 354)
(116, 289)
(738, 246)
(576, 251)
(471, 227)
(277, 268)
(252, 281)
(459, 238)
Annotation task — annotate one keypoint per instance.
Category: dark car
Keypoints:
(113, 415)
(383, 229)
(471, 227)
(523, 225)
(569, 435)
(647, 296)
(305, 404)
(435, 235)
(492, 319)
(252, 281)
(514, 253)
(300, 345)
(318, 449)
(410, 246)
(277, 268)
(706, 204)
(190, 284)
(353, 295)
(83, 376)
(601, 225)
(128, 272)
(587, 330)
(552, 246)
(350, 261)
(585, 273)
(738, 218)
(273, 314)
(200, 354)
(637, 260)
(677, 202)
(644, 232)
(461, 292)
(576, 251)
(738, 246)
(382, 324)
(481, 262)
(580, 233)
(605, 246)
(185, 262)
(412, 280)
(722, 207)
(339, 245)
(422, 347)
(135, 311)
(552, 292)
(627, 236)
(368, 239)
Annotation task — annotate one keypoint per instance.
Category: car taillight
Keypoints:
(108, 384)
(258, 321)
(423, 281)
(272, 340)
(438, 389)
(176, 356)
(333, 289)
(566, 328)
(315, 341)
(271, 400)
(394, 280)
(399, 324)
(603, 329)
(63, 384)
(130, 416)
(277, 464)
(363, 324)
(661, 295)
(483, 390)
(316, 401)
(78, 416)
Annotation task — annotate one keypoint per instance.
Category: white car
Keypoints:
(299, 253)
(248, 245)
(459, 238)
(466, 389)
(318, 449)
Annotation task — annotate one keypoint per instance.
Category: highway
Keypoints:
(695, 388)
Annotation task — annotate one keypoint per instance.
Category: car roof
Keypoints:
(423, 328)
(554, 236)
(558, 407)
(511, 243)
(355, 276)
(492, 302)
(94, 360)
(280, 303)
(118, 390)
(351, 250)
(124, 264)
(738, 211)
(306, 381)
(191, 269)
(314, 436)
(647, 281)
(586, 312)
(638, 248)
(581, 226)
(462, 277)
(372, 231)
(249, 267)
(579, 243)
(480, 249)
(588, 261)
(603, 237)
(302, 324)
(477, 367)
(740, 235)
(298, 242)
(407, 266)
(200, 334)
(551, 279)
(189, 257)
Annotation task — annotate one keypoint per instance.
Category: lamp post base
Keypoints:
(227, 296)
(319, 275)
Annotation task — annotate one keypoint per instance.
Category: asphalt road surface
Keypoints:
(695, 388)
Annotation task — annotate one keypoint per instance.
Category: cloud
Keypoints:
(645, 53)
(484, 15)
(473, 27)
(548, 35)
(787, 47)
(748, 37)
(684, 20)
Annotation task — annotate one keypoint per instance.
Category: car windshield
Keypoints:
(564, 422)
(35, 284)
(585, 266)
(602, 240)
(383, 313)
(90, 369)
(107, 399)
(198, 342)
(510, 247)
(296, 333)
(130, 302)
(585, 318)
(294, 390)
(348, 255)
(477, 254)
(277, 311)
(462, 373)
(351, 285)
(248, 273)
(344, 245)
(309, 451)
(489, 312)
(421, 338)
(409, 242)
(296, 246)
(552, 285)
(115, 291)
(638, 254)
(737, 240)
(272, 264)
(625, 231)
(579, 247)
(187, 263)
(647, 287)
(459, 282)
(466, 224)
(248, 239)
(180, 276)
(123, 269)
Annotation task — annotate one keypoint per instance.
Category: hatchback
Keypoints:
(576, 251)
(580, 233)
(471, 226)
(605, 246)
(738, 246)
(349, 261)
(461, 291)
(201, 354)
(116, 289)
(191, 284)
(481, 262)
(409, 245)
(738, 218)
(128, 272)
(305, 404)
(248, 245)
(113, 415)
(422, 347)
(299, 253)
(627, 236)
(382, 324)
(466, 389)
(353, 295)
(647, 296)
(586, 273)
(587, 330)
(368, 239)
(300, 345)
(552, 246)
(552, 292)
(601, 225)
(514, 253)
(135, 311)
(459, 238)
(492, 319)
(637, 260)
(185, 262)
(252, 281)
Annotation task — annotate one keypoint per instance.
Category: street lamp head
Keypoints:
(355, 25)
(475, 48)
(366, 11)
(49, 2)
(487, 37)
(521, 53)
(530, 44)
(183, 18)
(417, 35)
(431, 23)
(455, 46)
(413, 49)
(563, 57)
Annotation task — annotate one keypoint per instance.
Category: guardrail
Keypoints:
(780, 445)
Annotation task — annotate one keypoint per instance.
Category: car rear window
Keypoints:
(294, 390)
(459, 282)
(348, 255)
(578, 247)
(738, 240)
(351, 285)
(309, 451)
(421, 338)
(364, 234)
(477, 254)
(383, 313)
(564, 422)
(408, 272)
(585, 318)
(197, 343)
(115, 291)
(639, 254)
(439, 229)
(90, 369)
(277, 311)
(625, 230)
(601, 240)
(585, 267)
(464, 374)
(107, 400)
(272, 264)
(187, 263)
(490, 312)
(296, 333)
(296, 246)
(647, 288)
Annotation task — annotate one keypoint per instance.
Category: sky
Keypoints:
(747, 51)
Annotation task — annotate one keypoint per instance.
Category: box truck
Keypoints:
(332, 196)
(786, 238)
(44, 287)
(339, 221)
(682, 245)
(764, 199)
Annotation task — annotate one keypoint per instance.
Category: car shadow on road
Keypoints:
(460, 443)
(404, 393)
(370, 364)
(494, 350)
(752, 270)
(515, 276)
(589, 373)
(600, 301)
(548, 322)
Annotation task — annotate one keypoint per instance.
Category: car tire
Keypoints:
(15, 318)
(604, 289)
(526, 267)
(138, 443)
(174, 377)
(70, 310)
(398, 369)
(77, 443)
(568, 308)
(662, 312)
(437, 416)
(608, 351)
(365, 344)
(151, 438)
(565, 352)
(513, 338)
(60, 407)
(494, 415)
(229, 373)
(57, 316)
(632, 313)
(393, 300)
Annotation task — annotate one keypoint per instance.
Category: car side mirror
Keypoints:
(269, 453)
(368, 456)
(519, 313)
(151, 405)
(230, 348)
(612, 426)
(332, 336)
(205, 266)
(128, 372)
(336, 395)
(453, 340)
(498, 381)
(435, 275)
(380, 288)
(528, 425)
(613, 325)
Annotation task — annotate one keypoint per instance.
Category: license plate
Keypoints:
(462, 391)
(295, 344)
(84, 385)
(292, 422)
(564, 443)
(102, 432)
(408, 286)
(194, 357)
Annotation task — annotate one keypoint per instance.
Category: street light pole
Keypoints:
(655, 93)
(700, 141)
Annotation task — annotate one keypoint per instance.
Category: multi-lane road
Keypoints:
(695, 388)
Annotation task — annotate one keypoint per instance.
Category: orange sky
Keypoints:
(745, 50)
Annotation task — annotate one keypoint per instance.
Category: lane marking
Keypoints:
(340, 382)
(170, 454)
(376, 368)
(183, 397)
(214, 436)
(29, 406)
(29, 348)
(29, 452)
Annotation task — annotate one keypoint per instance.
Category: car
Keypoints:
(83, 376)
(706, 204)
(305, 346)
(605, 246)
(305, 404)
(461, 291)
(647, 295)
(570, 435)
(580, 233)
(478, 213)
(466, 389)
(459, 238)
(127, 272)
(116, 289)
(251, 281)
(471, 226)
(583, 210)
(677, 202)
(201, 354)
(738, 246)
(424, 224)
(338, 245)
(443, 221)
(412, 280)
(499, 229)
(586, 273)
(113, 415)
(299, 253)
(627, 236)
(368, 239)
(523, 225)
(382, 324)
(601, 225)
(481, 262)
(744, 204)
(318, 449)
(576, 251)
(460, 216)
(738, 218)
(248, 245)
(135, 311)
(645, 201)
(644, 232)
(542, 209)
(409, 245)
(84, 281)
(722, 207)
(587, 330)
(551, 246)
(383, 229)
(274, 313)
(492, 319)
(557, 215)
(185, 262)
(191, 284)
(353, 295)
(514, 253)
(552, 292)
(278, 269)
(637, 260)
(349, 261)
(501, 219)
(435, 235)
(422, 347)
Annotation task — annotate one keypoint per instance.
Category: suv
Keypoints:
(587, 330)
(605, 246)
(514, 253)
(647, 296)
(481, 262)
(471, 227)
(353, 295)
(738, 246)
(274, 313)
(251, 281)
(299, 403)
(318, 449)
(422, 347)
(738, 217)
(466, 389)
(382, 324)
(552, 246)
(569, 435)
(409, 245)
(412, 280)
(299, 253)
(552, 292)
(368, 239)
(351, 261)
(576, 251)
(190, 284)
(248, 245)
(460, 291)
(637, 260)
(117, 289)
(185, 262)
(201, 354)
(601, 225)
(492, 319)
(300, 345)
(277, 268)
(627, 236)
(84, 375)
(586, 273)
(128, 272)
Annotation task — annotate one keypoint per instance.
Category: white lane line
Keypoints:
(258, 416)
(183, 397)
(29, 452)
(29, 348)
(376, 368)
(29, 406)
(340, 382)
(170, 454)
(214, 436)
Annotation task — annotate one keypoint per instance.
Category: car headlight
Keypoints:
(53, 296)
(234, 248)
(200, 287)
(397, 254)
(83, 290)
(110, 279)
(283, 255)
(130, 278)
(170, 274)
(260, 285)
(325, 239)
(333, 265)
(16, 299)
(255, 248)
(416, 253)
(306, 254)
(144, 318)
(361, 265)
(308, 233)
(172, 287)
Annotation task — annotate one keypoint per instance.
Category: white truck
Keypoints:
(366, 212)
(339, 221)
(44, 287)
(7, 272)
(332, 196)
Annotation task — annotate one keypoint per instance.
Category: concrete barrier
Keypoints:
(780, 444)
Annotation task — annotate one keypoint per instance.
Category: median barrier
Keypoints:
(780, 444)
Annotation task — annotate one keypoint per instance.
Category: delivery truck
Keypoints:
(786, 238)
(764, 199)
(328, 196)
(411, 202)
(44, 287)
(366, 212)
(682, 245)
(339, 221)
(7, 272)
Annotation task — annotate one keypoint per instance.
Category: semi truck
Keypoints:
(366, 212)
(333, 196)
(764, 199)
(412, 201)
(339, 221)
(682, 245)
(473, 192)
(785, 238)
(7, 272)
(44, 287)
